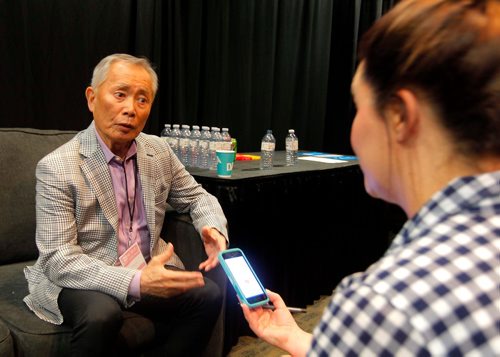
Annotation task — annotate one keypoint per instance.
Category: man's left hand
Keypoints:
(214, 243)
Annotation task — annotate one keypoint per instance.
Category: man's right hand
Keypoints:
(158, 281)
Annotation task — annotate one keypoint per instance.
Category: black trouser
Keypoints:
(96, 319)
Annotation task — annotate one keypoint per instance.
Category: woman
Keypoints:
(427, 134)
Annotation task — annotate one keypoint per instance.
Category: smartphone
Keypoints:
(243, 278)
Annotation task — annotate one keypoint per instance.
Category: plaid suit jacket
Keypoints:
(77, 218)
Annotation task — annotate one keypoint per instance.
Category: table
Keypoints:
(297, 248)
(248, 170)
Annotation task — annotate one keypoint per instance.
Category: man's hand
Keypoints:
(214, 243)
(158, 281)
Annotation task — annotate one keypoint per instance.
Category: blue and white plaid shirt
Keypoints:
(435, 292)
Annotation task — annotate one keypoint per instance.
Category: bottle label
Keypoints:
(292, 145)
(267, 146)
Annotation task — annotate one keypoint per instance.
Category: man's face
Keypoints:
(121, 105)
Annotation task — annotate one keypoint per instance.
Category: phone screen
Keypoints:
(244, 277)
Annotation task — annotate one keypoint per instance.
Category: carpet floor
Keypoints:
(249, 346)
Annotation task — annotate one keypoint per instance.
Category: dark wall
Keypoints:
(248, 65)
(48, 51)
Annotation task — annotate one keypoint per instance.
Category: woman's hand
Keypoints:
(278, 327)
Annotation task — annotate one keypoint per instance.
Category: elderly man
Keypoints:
(100, 204)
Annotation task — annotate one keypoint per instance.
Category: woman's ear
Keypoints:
(403, 115)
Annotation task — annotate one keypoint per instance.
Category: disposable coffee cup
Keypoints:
(225, 161)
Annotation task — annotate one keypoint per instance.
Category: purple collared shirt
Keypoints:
(123, 175)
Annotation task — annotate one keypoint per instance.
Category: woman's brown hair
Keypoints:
(449, 52)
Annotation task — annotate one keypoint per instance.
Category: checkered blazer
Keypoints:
(77, 218)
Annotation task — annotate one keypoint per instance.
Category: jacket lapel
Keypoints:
(145, 157)
(95, 169)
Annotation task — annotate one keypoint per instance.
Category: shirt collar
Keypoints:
(479, 192)
(108, 154)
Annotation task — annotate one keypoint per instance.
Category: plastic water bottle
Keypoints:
(226, 139)
(165, 133)
(215, 144)
(292, 146)
(175, 135)
(184, 144)
(194, 144)
(204, 148)
(267, 147)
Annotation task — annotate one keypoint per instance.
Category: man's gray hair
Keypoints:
(102, 68)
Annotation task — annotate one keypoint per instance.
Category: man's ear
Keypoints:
(90, 95)
(403, 114)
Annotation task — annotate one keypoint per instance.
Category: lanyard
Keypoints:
(131, 211)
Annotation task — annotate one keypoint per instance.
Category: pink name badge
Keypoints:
(133, 258)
